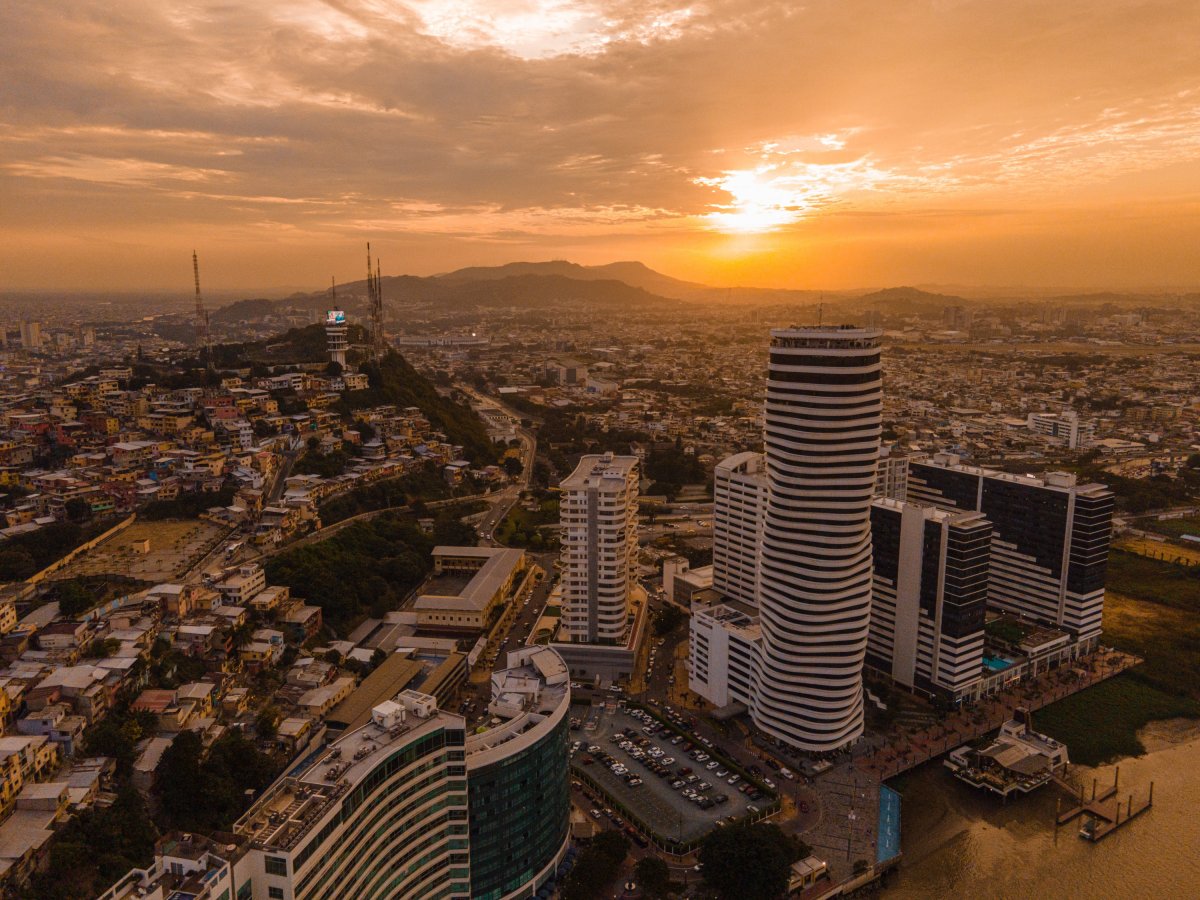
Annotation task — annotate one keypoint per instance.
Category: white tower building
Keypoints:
(823, 424)
(739, 507)
(598, 512)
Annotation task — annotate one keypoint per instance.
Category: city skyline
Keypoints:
(838, 146)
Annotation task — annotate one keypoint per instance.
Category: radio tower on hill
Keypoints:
(202, 329)
(375, 295)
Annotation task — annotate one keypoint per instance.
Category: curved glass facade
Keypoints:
(520, 815)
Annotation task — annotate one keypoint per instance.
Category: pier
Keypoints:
(1104, 813)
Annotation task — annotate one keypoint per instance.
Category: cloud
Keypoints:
(597, 119)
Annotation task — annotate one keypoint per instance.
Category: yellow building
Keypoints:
(467, 586)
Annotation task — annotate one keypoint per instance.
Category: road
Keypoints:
(506, 498)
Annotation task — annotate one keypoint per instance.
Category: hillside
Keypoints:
(529, 291)
(910, 300)
(395, 381)
(632, 273)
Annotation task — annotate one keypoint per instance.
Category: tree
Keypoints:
(73, 598)
(333, 368)
(16, 564)
(653, 875)
(513, 466)
(596, 867)
(667, 618)
(748, 862)
(78, 509)
(612, 844)
(266, 725)
(186, 800)
(103, 648)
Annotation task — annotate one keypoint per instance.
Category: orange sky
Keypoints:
(835, 143)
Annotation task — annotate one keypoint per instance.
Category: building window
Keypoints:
(275, 893)
(276, 865)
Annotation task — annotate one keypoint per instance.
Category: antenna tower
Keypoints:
(375, 295)
(202, 328)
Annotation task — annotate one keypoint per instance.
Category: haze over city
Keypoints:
(599, 450)
(834, 145)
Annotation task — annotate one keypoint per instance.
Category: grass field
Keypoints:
(1167, 551)
(1154, 580)
(1153, 610)
(1172, 527)
(1101, 724)
(174, 545)
(520, 525)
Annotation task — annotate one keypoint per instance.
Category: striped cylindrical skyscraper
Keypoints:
(823, 422)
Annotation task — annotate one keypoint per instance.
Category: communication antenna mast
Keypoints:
(202, 325)
(375, 296)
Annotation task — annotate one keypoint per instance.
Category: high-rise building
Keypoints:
(383, 812)
(518, 787)
(408, 806)
(823, 425)
(598, 514)
(739, 505)
(1050, 538)
(891, 476)
(31, 335)
(929, 597)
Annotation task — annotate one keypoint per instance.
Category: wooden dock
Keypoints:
(1104, 813)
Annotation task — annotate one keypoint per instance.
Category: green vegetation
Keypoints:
(27, 554)
(1101, 724)
(366, 568)
(596, 867)
(1139, 495)
(1173, 527)
(394, 381)
(326, 465)
(77, 595)
(653, 875)
(673, 466)
(207, 793)
(749, 862)
(187, 506)
(296, 345)
(95, 848)
(667, 619)
(117, 735)
(420, 485)
(522, 527)
(1151, 611)
(1154, 580)
(1005, 630)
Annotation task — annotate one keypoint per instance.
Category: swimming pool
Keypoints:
(997, 663)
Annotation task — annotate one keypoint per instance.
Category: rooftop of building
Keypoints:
(534, 686)
(470, 592)
(594, 469)
(826, 337)
(1062, 481)
(291, 807)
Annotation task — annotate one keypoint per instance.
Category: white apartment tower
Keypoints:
(823, 424)
(739, 505)
(598, 515)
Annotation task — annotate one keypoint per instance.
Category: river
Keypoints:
(960, 843)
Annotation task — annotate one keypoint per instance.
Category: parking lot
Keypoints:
(670, 774)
